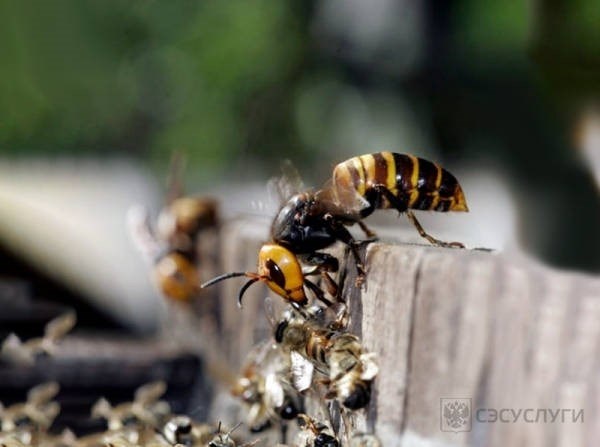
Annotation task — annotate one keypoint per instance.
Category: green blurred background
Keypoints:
(240, 85)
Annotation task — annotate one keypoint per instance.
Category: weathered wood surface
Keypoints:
(507, 334)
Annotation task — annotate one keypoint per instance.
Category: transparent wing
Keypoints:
(42, 393)
(301, 371)
(273, 391)
(341, 200)
(289, 183)
(15, 351)
(60, 326)
(259, 353)
(141, 233)
(370, 369)
(150, 392)
(101, 409)
(274, 310)
(175, 176)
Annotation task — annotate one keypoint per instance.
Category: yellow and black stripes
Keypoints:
(400, 181)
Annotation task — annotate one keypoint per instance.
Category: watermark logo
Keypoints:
(455, 414)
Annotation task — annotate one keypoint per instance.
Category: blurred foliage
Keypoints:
(238, 85)
(142, 77)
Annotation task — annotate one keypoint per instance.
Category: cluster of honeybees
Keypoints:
(145, 421)
(311, 354)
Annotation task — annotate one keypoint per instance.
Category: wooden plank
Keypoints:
(503, 332)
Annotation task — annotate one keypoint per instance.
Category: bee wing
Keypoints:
(251, 443)
(370, 369)
(274, 310)
(301, 371)
(46, 414)
(101, 409)
(270, 312)
(42, 393)
(60, 326)
(15, 351)
(11, 343)
(274, 393)
(150, 392)
(259, 353)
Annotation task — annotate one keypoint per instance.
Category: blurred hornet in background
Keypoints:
(316, 345)
(313, 221)
(266, 389)
(171, 246)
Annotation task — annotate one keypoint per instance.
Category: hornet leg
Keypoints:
(401, 207)
(430, 238)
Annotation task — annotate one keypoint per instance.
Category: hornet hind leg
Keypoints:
(431, 239)
(401, 207)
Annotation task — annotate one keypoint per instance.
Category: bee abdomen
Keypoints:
(316, 348)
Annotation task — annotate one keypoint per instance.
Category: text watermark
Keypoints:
(456, 415)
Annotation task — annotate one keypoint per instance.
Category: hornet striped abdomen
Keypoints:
(399, 181)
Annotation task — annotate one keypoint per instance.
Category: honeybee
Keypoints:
(16, 351)
(27, 423)
(312, 221)
(364, 440)
(145, 409)
(315, 434)
(266, 389)
(339, 356)
(224, 439)
(280, 269)
(180, 430)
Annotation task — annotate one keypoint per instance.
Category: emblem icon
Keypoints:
(455, 414)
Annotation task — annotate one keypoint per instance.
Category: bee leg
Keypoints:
(283, 433)
(430, 238)
(318, 292)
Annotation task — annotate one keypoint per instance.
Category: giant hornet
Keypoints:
(312, 221)
(172, 245)
(315, 344)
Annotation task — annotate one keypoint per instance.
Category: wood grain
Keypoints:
(502, 331)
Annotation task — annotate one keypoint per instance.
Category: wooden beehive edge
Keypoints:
(502, 331)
